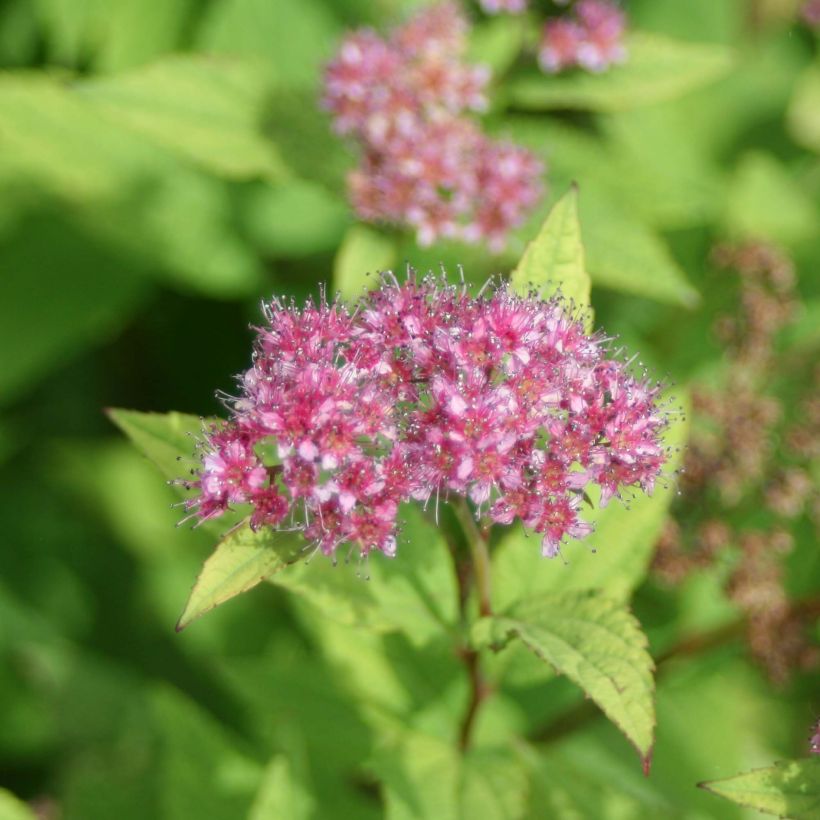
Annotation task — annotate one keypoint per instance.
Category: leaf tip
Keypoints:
(646, 761)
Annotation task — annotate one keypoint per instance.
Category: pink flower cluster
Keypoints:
(426, 391)
(591, 38)
(425, 164)
(810, 12)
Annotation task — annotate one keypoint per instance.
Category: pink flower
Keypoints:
(426, 392)
(424, 165)
(591, 38)
(810, 12)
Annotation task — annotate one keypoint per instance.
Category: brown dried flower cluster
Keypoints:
(745, 456)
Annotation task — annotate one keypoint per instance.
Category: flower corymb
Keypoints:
(423, 392)
(425, 164)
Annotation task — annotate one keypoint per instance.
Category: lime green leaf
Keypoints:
(49, 134)
(804, 111)
(295, 36)
(199, 768)
(13, 809)
(554, 261)
(364, 253)
(414, 592)
(624, 254)
(163, 438)
(295, 219)
(497, 42)
(426, 778)
(765, 201)
(207, 109)
(787, 789)
(242, 560)
(596, 643)
(281, 795)
(657, 69)
(624, 538)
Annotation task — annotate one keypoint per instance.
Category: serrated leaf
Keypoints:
(162, 437)
(364, 253)
(657, 69)
(554, 261)
(426, 778)
(597, 644)
(414, 592)
(242, 560)
(788, 789)
(207, 109)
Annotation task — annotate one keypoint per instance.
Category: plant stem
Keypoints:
(477, 573)
(477, 539)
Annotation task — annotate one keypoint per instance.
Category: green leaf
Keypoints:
(164, 438)
(624, 254)
(242, 560)
(53, 137)
(788, 789)
(804, 111)
(295, 219)
(13, 809)
(364, 253)
(554, 261)
(206, 109)
(624, 538)
(415, 592)
(596, 643)
(765, 201)
(497, 42)
(295, 36)
(281, 795)
(426, 778)
(657, 69)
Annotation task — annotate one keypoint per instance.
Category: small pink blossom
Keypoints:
(810, 12)
(591, 38)
(422, 393)
(424, 164)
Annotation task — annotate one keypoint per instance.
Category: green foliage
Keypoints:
(657, 69)
(596, 643)
(787, 789)
(164, 165)
(363, 254)
(554, 261)
(241, 560)
(425, 778)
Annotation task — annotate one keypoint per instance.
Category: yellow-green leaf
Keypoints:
(787, 789)
(596, 643)
(554, 261)
(364, 253)
(207, 109)
(657, 68)
(242, 560)
(164, 438)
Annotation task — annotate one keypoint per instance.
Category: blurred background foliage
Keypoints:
(163, 167)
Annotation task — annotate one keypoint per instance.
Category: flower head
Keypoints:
(424, 164)
(591, 38)
(427, 391)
